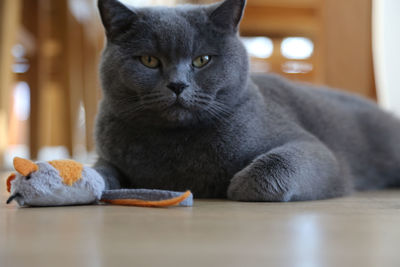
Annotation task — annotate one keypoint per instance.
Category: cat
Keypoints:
(180, 110)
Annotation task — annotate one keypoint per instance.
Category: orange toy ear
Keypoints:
(25, 166)
(9, 180)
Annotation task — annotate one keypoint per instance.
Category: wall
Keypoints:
(386, 28)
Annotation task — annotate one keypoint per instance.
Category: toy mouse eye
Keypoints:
(28, 177)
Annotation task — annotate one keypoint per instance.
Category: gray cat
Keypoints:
(181, 111)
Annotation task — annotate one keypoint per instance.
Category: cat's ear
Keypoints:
(228, 14)
(116, 17)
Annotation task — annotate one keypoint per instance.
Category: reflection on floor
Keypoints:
(361, 230)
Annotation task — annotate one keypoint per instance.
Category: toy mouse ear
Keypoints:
(24, 166)
(9, 180)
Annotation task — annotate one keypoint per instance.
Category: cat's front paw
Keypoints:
(260, 182)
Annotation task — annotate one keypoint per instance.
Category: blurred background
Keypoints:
(49, 54)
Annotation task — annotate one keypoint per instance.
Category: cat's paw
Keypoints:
(260, 182)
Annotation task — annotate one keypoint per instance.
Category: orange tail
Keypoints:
(144, 203)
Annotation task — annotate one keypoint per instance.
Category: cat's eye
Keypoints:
(201, 61)
(150, 61)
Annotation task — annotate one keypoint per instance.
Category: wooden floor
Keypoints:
(361, 230)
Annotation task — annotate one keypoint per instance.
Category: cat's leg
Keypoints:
(299, 170)
(113, 178)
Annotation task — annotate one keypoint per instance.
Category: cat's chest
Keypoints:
(180, 152)
(204, 162)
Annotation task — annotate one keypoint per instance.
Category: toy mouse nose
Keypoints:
(177, 88)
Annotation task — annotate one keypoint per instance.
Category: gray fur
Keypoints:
(229, 134)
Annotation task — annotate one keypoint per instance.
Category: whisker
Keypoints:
(203, 96)
(139, 97)
(223, 110)
(214, 113)
(216, 116)
(152, 101)
(135, 104)
(214, 108)
(151, 96)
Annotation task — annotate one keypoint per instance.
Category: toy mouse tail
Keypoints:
(158, 203)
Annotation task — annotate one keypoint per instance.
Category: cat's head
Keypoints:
(173, 66)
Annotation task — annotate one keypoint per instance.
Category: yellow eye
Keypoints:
(201, 61)
(150, 62)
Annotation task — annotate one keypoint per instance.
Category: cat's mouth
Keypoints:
(178, 110)
(179, 103)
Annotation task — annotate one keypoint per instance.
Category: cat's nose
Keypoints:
(177, 88)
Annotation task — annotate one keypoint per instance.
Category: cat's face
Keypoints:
(173, 66)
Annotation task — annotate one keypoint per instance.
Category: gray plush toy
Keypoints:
(67, 182)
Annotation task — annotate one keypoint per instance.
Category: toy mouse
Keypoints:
(67, 182)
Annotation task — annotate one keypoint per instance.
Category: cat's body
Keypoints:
(259, 138)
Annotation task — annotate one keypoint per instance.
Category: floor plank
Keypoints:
(360, 230)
